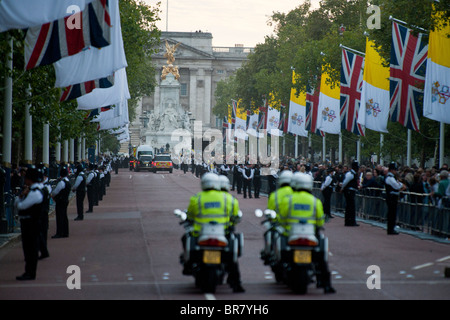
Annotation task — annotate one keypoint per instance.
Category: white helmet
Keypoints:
(224, 183)
(210, 181)
(285, 177)
(302, 181)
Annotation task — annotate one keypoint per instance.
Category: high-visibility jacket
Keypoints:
(300, 205)
(277, 197)
(212, 205)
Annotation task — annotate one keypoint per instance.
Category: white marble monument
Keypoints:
(169, 115)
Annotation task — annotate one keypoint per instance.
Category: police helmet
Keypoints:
(210, 181)
(393, 165)
(32, 174)
(302, 181)
(285, 177)
(224, 183)
(63, 172)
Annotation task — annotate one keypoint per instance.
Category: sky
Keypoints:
(230, 22)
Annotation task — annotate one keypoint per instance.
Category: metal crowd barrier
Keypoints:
(415, 211)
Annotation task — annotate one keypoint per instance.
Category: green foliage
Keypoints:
(307, 39)
(36, 87)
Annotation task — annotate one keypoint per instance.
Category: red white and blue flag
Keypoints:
(312, 109)
(351, 87)
(78, 90)
(407, 76)
(52, 41)
(233, 113)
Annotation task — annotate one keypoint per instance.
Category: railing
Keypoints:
(415, 211)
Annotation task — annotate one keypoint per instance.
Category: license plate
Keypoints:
(302, 256)
(211, 257)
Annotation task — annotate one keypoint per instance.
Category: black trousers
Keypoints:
(235, 179)
(247, 186)
(30, 233)
(327, 201)
(239, 184)
(43, 235)
(257, 186)
(91, 197)
(350, 211)
(80, 203)
(392, 212)
(62, 222)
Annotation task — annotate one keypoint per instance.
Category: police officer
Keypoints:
(247, 180)
(200, 212)
(393, 188)
(302, 204)
(327, 191)
(284, 189)
(257, 181)
(61, 197)
(80, 188)
(46, 189)
(349, 187)
(90, 188)
(29, 207)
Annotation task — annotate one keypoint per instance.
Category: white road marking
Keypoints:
(443, 259)
(210, 296)
(422, 266)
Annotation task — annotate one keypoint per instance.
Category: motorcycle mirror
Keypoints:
(271, 213)
(258, 213)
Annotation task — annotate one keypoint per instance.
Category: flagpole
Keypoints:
(408, 152)
(441, 144)
(353, 50)
(381, 147)
(406, 24)
(340, 148)
(28, 130)
(45, 145)
(7, 118)
(358, 150)
(323, 148)
(296, 146)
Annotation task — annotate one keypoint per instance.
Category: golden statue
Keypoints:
(170, 68)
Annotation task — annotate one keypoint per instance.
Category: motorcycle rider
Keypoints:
(284, 189)
(212, 204)
(302, 204)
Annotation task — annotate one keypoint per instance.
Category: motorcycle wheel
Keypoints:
(208, 280)
(298, 279)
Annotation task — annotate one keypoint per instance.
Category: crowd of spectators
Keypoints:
(424, 185)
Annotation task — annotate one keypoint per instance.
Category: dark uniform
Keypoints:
(43, 221)
(61, 197)
(80, 188)
(349, 187)
(247, 181)
(90, 189)
(30, 209)
(327, 191)
(393, 187)
(257, 181)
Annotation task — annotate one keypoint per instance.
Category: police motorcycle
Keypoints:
(292, 257)
(208, 256)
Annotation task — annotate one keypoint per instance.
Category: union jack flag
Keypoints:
(262, 121)
(52, 41)
(78, 90)
(312, 108)
(407, 78)
(351, 86)
(233, 113)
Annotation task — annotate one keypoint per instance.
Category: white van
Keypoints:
(144, 157)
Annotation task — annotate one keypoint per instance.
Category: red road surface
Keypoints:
(129, 249)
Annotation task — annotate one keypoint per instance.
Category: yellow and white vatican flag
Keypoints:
(328, 116)
(436, 104)
(297, 112)
(375, 100)
(240, 125)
